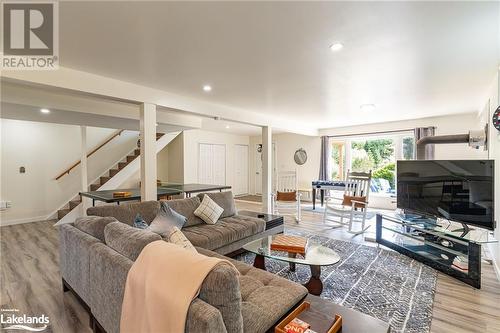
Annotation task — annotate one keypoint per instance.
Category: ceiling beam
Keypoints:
(108, 88)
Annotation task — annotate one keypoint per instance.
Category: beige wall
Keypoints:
(176, 160)
(45, 150)
(286, 145)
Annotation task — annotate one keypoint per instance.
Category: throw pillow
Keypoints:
(348, 201)
(208, 210)
(139, 222)
(177, 237)
(166, 219)
(286, 196)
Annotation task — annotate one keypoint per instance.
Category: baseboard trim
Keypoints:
(4, 222)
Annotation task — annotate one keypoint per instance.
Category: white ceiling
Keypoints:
(411, 59)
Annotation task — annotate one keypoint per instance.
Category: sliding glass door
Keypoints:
(376, 153)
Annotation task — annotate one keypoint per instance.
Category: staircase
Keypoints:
(72, 204)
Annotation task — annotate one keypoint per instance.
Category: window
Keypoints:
(376, 153)
(408, 147)
(338, 160)
(378, 156)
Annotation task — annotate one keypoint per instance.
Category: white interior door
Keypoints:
(212, 164)
(240, 183)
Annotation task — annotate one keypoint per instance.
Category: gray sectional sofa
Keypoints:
(228, 235)
(97, 252)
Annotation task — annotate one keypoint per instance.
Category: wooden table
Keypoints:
(352, 321)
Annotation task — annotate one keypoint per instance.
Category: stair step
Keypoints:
(130, 158)
(73, 204)
(62, 212)
(137, 152)
(94, 187)
(103, 180)
(113, 172)
(122, 165)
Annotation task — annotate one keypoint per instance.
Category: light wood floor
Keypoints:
(30, 281)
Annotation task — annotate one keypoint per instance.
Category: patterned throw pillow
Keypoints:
(177, 237)
(208, 210)
(139, 222)
(166, 219)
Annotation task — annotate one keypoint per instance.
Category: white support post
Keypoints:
(83, 165)
(267, 171)
(148, 151)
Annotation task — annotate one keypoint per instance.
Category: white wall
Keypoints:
(45, 150)
(452, 124)
(490, 105)
(286, 145)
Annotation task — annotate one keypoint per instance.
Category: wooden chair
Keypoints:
(352, 205)
(286, 198)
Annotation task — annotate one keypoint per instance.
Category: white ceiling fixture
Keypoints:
(227, 127)
(367, 107)
(207, 88)
(46, 111)
(336, 47)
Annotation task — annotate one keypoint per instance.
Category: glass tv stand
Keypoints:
(441, 244)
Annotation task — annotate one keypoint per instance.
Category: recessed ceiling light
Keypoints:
(336, 47)
(367, 107)
(44, 110)
(207, 88)
(227, 127)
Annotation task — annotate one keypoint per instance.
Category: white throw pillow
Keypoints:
(177, 237)
(208, 210)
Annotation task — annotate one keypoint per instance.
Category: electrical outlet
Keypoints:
(5, 204)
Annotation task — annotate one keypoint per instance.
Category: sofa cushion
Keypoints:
(224, 232)
(94, 225)
(127, 240)
(266, 297)
(126, 213)
(186, 207)
(208, 210)
(223, 199)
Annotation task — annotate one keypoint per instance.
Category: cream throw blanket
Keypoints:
(160, 286)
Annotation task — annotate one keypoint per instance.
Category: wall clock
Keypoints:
(496, 119)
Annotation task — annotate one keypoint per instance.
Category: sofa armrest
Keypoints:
(74, 259)
(108, 273)
(203, 317)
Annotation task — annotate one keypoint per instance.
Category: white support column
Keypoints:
(83, 165)
(267, 171)
(148, 151)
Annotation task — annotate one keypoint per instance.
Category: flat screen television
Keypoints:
(457, 190)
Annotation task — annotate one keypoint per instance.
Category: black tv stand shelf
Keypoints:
(444, 245)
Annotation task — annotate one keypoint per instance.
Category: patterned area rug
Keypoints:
(381, 283)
